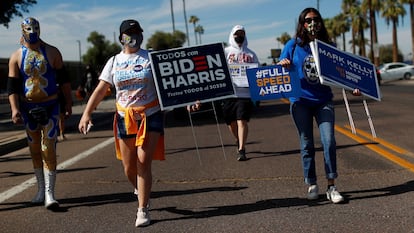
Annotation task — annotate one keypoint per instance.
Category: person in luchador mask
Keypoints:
(315, 102)
(139, 121)
(36, 72)
(237, 111)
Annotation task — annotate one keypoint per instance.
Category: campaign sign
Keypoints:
(238, 73)
(272, 82)
(185, 75)
(346, 70)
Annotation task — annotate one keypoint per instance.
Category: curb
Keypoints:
(18, 141)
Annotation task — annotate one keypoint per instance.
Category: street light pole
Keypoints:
(80, 60)
(172, 15)
(186, 23)
(80, 53)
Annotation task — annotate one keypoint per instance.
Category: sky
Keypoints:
(67, 24)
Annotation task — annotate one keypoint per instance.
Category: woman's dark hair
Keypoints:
(303, 34)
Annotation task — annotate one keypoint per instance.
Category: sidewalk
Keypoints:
(13, 137)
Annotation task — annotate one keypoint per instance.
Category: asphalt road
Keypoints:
(207, 190)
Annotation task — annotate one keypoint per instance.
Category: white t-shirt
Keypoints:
(131, 75)
(240, 54)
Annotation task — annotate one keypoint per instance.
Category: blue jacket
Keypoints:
(303, 67)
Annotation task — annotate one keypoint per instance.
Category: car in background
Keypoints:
(395, 71)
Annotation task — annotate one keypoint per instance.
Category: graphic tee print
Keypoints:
(309, 70)
(131, 75)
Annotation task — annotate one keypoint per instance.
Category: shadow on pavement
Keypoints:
(214, 211)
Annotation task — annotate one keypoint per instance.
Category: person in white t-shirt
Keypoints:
(138, 122)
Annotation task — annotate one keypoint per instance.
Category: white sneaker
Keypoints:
(143, 217)
(333, 195)
(313, 192)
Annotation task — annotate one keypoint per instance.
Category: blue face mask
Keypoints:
(132, 41)
(33, 38)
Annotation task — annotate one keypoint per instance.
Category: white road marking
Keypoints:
(32, 181)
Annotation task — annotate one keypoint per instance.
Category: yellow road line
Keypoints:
(402, 162)
(394, 158)
(382, 142)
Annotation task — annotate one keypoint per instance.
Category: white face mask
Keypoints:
(132, 41)
(314, 25)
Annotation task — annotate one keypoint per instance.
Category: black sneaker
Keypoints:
(241, 155)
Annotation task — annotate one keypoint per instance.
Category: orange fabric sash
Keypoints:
(133, 128)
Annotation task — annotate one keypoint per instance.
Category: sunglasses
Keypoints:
(316, 19)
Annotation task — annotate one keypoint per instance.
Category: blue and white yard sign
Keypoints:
(346, 70)
(272, 82)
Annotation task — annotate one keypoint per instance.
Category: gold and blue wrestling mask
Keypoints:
(31, 30)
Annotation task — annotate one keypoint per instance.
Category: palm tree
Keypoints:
(391, 11)
(372, 7)
(341, 25)
(194, 19)
(360, 24)
(200, 30)
(348, 7)
(329, 24)
(411, 3)
(284, 38)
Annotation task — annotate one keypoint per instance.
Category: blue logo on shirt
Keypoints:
(138, 68)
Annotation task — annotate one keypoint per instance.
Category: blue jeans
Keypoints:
(324, 114)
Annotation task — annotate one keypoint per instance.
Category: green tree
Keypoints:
(391, 11)
(348, 9)
(359, 23)
(194, 20)
(100, 51)
(386, 54)
(11, 8)
(341, 25)
(358, 19)
(164, 40)
(329, 24)
(284, 38)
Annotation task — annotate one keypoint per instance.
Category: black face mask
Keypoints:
(239, 39)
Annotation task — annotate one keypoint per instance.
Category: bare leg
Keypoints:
(62, 126)
(145, 154)
(243, 130)
(233, 128)
(129, 159)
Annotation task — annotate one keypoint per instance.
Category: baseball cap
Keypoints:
(128, 25)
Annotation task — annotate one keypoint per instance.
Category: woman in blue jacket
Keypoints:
(315, 102)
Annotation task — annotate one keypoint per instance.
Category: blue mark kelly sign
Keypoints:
(346, 70)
